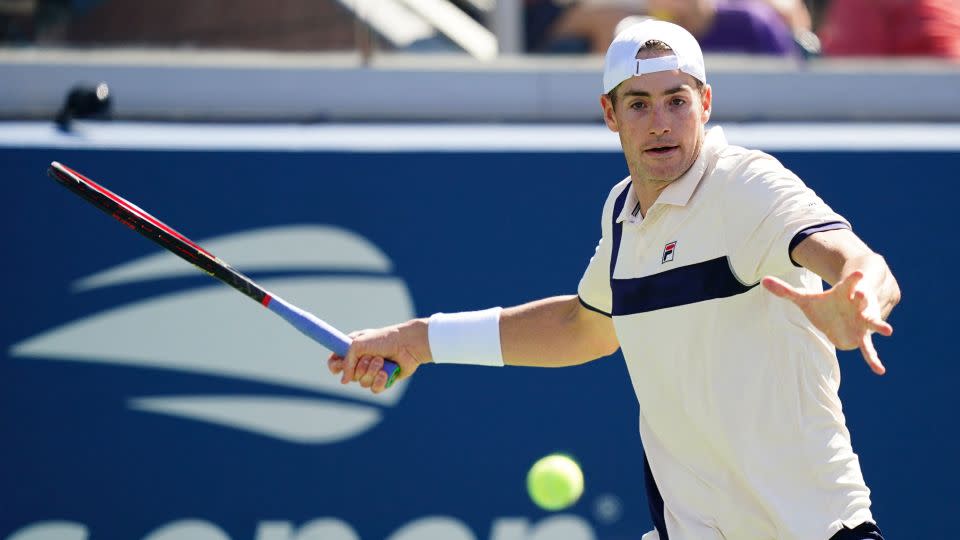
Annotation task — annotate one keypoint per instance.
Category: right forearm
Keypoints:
(554, 332)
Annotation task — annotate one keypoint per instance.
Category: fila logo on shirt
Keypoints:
(668, 252)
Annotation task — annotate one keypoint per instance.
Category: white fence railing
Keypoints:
(254, 86)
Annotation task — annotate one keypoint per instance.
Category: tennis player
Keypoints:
(737, 383)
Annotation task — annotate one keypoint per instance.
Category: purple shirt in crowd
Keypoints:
(750, 27)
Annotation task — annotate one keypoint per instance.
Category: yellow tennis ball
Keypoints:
(555, 482)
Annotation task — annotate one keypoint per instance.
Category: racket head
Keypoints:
(159, 232)
(119, 208)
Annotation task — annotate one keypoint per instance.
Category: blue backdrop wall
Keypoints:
(86, 453)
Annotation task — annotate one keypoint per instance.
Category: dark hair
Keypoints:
(653, 45)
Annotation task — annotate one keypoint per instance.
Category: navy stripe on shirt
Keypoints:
(654, 500)
(809, 231)
(677, 287)
(617, 227)
(689, 284)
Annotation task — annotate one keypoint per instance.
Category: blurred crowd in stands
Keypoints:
(772, 27)
(790, 28)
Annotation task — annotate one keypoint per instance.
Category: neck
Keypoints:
(647, 190)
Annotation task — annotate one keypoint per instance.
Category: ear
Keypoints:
(608, 115)
(707, 103)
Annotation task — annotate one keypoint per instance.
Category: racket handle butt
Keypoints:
(393, 371)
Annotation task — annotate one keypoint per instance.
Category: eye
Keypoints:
(677, 101)
(638, 105)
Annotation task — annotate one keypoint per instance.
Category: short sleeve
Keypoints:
(767, 211)
(594, 289)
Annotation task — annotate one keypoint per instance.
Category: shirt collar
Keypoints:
(679, 191)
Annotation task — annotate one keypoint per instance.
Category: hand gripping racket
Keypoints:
(137, 219)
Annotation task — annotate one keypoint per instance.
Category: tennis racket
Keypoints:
(139, 220)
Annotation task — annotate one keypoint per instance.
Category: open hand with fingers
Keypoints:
(406, 344)
(848, 314)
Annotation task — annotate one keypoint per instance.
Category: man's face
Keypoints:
(659, 117)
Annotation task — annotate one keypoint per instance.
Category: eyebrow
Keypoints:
(642, 93)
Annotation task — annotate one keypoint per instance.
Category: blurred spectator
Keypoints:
(16, 20)
(732, 26)
(892, 28)
(21, 21)
(794, 13)
(245, 24)
(797, 15)
(585, 26)
(817, 9)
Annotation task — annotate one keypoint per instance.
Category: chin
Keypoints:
(665, 176)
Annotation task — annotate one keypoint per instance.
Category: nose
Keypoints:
(659, 124)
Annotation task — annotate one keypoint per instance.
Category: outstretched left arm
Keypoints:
(863, 291)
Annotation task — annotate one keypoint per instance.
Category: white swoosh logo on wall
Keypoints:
(303, 247)
(214, 331)
(292, 419)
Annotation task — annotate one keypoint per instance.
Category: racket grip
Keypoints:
(321, 331)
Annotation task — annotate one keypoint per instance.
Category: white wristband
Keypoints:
(471, 337)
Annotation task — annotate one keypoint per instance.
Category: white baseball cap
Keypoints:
(621, 62)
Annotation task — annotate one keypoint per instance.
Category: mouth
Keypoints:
(661, 151)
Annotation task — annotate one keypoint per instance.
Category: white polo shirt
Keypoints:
(739, 413)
